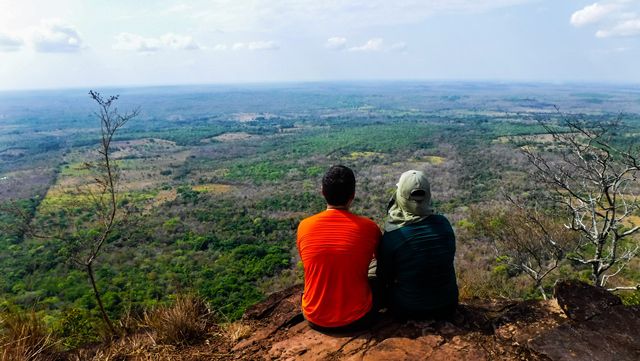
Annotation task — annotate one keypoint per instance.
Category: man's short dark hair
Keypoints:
(338, 185)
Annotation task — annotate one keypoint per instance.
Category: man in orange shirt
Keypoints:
(336, 247)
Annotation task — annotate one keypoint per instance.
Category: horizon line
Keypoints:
(331, 81)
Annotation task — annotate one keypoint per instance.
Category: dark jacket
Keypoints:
(415, 267)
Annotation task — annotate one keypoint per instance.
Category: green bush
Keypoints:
(76, 328)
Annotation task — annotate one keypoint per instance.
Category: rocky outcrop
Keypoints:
(599, 327)
(581, 301)
(588, 324)
(481, 331)
(585, 323)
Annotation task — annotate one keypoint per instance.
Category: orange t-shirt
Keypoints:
(336, 247)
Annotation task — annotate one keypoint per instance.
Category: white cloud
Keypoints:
(614, 18)
(592, 13)
(220, 47)
(10, 43)
(336, 43)
(252, 15)
(374, 44)
(263, 45)
(179, 42)
(54, 36)
(256, 45)
(135, 42)
(624, 28)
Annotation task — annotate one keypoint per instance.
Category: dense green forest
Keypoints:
(214, 181)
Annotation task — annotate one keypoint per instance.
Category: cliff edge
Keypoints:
(582, 323)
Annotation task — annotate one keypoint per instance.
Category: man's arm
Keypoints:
(373, 263)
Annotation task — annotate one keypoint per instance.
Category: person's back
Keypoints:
(416, 261)
(336, 248)
(416, 254)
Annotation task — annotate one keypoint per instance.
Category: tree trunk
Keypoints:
(598, 276)
(544, 294)
(96, 293)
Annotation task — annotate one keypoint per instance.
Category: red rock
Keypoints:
(401, 349)
(308, 345)
(459, 349)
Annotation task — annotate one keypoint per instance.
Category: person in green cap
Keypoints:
(416, 253)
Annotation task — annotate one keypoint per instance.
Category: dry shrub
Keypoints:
(130, 321)
(526, 241)
(24, 337)
(474, 284)
(133, 347)
(236, 331)
(185, 322)
(484, 284)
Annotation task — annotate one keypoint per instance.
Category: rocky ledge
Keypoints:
(582, 323)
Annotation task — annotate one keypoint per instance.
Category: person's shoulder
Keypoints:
(368, 224)
(365, 221)
(306, 222)
(309, 218)
(439, 218)
(441, 222)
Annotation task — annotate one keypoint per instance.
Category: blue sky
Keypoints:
(82, 43)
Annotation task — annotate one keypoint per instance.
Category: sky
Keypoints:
(88, 43)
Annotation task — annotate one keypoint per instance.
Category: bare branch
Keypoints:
(588, 176)
(630, 288)
(106, 182)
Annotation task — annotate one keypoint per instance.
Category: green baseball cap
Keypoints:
(414, 193)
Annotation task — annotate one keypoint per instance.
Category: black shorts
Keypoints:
(361, 324)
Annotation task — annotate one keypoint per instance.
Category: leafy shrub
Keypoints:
(75, 329)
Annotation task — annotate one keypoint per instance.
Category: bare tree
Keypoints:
(593, 182)
(103, 192)
(524, 239)
(99, 197)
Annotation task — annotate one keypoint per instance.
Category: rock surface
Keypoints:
(585, 323)
(600, 328)
(612, 335)
(471, 336)
(581, 301)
